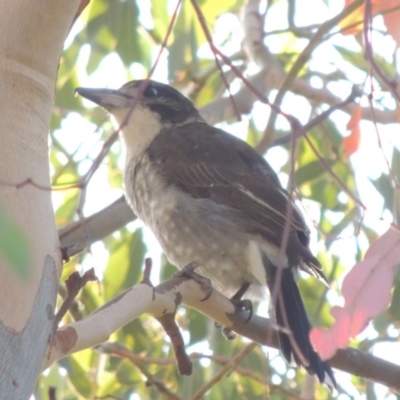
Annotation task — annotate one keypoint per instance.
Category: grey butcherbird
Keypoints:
(210, 197)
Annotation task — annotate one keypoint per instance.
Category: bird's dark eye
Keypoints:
(151, 91)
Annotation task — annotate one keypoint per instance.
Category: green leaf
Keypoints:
(14, 246)
(65, 98)
(187, 38)
(357, 59)
(311, 171)
(381, 322)
(77, 375)
(89, 296)
(167, 269)
(348, 218)
(213, 9)
(95, 58)
(323, 192)
(384, 186)
(125, 264)
(396, 163)
(212, 88)
(128, 374)
(123, 24)
(96, 19)
(394, 309)
(198, 326)
(396, 171)
(161, 18)
(66, 211)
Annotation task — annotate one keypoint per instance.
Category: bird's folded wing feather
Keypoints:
(214, 164)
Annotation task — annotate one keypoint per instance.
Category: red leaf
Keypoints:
(351, 143)
(367, 292)
(391, 18)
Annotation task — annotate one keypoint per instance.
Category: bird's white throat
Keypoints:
(142, 127)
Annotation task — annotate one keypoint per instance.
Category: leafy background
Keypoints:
(113, 42)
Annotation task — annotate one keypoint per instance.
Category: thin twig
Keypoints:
(369, 53)
(74, 284)
(119, 350)
(319, 118)
(224, 371)
(315, 41)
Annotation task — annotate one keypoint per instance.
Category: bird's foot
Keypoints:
(244, 304)
(239, 303)
(188, 271)
(226, 332)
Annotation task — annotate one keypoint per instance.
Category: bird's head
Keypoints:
(143, 109)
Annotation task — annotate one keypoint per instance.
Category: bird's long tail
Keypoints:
(291, 314)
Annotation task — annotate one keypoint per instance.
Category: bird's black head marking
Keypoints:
(151, 91)
(167, 102)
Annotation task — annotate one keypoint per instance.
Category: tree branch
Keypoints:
(271, 77)
(164, 298)
(99, 225)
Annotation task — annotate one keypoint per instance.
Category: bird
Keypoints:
(210, 198)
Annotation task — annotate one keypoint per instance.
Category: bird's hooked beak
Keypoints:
(107, 98)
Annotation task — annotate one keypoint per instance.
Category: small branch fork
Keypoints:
(74, 284)
(171, 328)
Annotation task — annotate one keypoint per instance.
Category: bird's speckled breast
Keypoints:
(189, 229)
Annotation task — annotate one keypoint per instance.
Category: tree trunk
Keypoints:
(32, 34)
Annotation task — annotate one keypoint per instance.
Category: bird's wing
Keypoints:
(207, 162)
